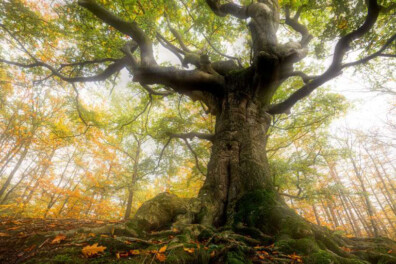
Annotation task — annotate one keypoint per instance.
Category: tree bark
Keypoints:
(238, 163)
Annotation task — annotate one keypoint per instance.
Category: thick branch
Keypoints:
(336, 65)
(306, 78)
(180, 80)
(228, 9)
(344, 43)
(300, 28)
(129, 28)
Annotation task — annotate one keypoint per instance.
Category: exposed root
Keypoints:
(265, 229)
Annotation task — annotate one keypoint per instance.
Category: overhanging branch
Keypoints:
(374, 55)
(228, 9)
(110, 70)
(105, 74)
(129, 28)
(336, 66)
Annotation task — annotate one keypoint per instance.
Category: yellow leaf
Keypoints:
(189, 250)
(59, 238)
(163, 249)
(135, 252)
(160, 257)
(91, 251)
(295, 257)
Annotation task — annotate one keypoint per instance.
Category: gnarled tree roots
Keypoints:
(262, 230)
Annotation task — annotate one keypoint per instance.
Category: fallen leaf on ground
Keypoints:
(295, 258)
(189, 250)
(30, 248)
(4, 235)
(122, 254)
(163, 249)
(91, 251)
(135, 252)
(160, 257)
(346, 249)
(59, 238)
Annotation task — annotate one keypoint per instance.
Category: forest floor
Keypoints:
(42, 241)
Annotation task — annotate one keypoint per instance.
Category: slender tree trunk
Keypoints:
(384, 185)
(9, 156)
(17, 165)
(40, 177)
(370, 208)
(133, 181)
(24, 174)
(317, 218)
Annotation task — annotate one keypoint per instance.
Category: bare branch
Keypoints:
(139, 114)
(195, 155)
(129, 28)
(162, 153)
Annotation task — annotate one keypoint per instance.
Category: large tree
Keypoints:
(239, 90)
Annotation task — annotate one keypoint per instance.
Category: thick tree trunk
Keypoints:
(238, 163)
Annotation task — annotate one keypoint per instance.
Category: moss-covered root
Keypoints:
(158, 213)
(263, 212)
